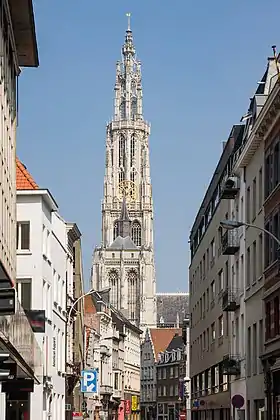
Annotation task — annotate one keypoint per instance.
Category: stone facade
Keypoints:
(125, 260)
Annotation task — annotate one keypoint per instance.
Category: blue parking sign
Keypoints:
(89, 381)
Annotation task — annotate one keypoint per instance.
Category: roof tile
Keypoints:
(23, 178)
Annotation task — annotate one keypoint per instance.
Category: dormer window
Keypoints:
(179, 354)
(173, 355)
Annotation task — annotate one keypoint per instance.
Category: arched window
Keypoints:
(122, 110)
(133, 107)
(136, 233)
(133, 88)
(132, 294)
(121, 150)
(114, 288)
(115, 230)
(132, 149)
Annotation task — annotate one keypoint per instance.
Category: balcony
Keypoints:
(106, 390)
(230, 300)
(230, 242)
(231, 365)
(229, 188)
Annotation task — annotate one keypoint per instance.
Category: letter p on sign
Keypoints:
(89, 381)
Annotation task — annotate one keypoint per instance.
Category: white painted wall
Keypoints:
(45, 265)
(132, 348)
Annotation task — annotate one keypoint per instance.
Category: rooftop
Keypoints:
(172, 308)
(24, 180)
(161, 337)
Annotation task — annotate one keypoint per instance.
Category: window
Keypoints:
(132, 294)
(121, 176)
(276, 316)
(221, 280)
(114, 288)
(254, 199)
(213, 332)
(276, 165)
(212, 290)
(116, 229)
(249, 354)
(24, 292)
(221, 326)
(260, 188)
(248, 265)
(132, 175)
(254, 350)
(116, 381)
(122, 110)
(254, 262)
(133, 108)
(132, 149)
(268, 176)
(212, 250)
(260, 256)
(268, 321)
(23, 236)
(248, 205)
(121, 151)
(136, 233)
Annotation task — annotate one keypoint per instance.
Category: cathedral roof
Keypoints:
(123, 243)
(171, 308)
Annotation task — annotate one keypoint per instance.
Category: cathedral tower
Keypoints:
(125, 260)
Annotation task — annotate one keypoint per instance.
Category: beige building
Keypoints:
(16, 50)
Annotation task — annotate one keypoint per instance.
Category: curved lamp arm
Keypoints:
(75, 303)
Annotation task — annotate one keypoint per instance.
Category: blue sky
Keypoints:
(201, 62)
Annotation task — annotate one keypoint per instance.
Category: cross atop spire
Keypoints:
(128, 21)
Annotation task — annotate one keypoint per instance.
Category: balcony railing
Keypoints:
(230, 300)
(231, 365)
(230, 242)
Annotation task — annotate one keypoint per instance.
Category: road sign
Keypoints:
(89, 381)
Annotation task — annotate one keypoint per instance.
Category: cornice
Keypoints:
(263, 126)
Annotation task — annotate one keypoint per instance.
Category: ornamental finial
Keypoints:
(128, 15)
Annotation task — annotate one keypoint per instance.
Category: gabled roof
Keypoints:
(123, 243)
(161, 337)
(24, 180)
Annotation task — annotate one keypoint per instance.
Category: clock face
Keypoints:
(127, 189)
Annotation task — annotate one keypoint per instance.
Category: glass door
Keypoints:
(17, 410)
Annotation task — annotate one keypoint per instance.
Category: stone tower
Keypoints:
(124, 262)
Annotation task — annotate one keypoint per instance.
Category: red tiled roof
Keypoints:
(23, 178)
(161, 337)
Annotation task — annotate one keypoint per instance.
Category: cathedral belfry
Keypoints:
(125, 260)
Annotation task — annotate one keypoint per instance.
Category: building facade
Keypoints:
(25, 354)
(268, 128)
(125, 260)
(41, 266)
(170, 371)
(155, 342)
(115, 350)
(210, 335)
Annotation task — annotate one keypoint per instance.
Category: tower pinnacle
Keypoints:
(128, 21)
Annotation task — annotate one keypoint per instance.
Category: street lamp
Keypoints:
(233, 224)
(75, 303)
(267, 364)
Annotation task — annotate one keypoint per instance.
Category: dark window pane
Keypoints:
(26, 295)
(25, 235)
(17, 235)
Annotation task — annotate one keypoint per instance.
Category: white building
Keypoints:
(42, 257)
(246, 275)
(125, 260)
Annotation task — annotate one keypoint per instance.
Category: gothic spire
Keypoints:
(124, 222)
(128, 86)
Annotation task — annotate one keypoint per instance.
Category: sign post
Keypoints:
(89, 381)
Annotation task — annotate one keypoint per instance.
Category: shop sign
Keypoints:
(127, 406)
(134, 403)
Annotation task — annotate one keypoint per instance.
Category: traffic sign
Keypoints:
(89, 381)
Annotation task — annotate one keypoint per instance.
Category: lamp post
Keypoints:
(75, 303)
(267, 364)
